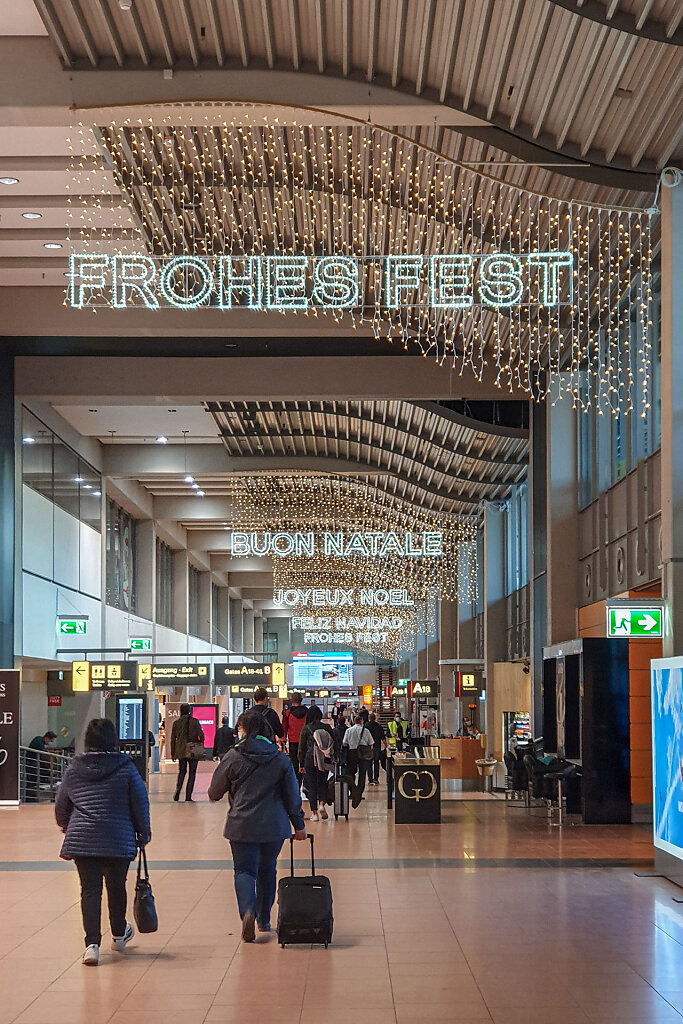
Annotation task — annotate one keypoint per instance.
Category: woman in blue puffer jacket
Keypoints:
(103, 807)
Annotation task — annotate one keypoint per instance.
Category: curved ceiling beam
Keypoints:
(623, 21)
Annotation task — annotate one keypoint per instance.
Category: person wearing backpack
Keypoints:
(293, 721)
(187, 747)
(316, 760)
(265, 805)
(360, 744)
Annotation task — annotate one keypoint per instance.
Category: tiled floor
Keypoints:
(494, 916)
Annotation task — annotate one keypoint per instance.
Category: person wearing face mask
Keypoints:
(397, 730)
(265, 805)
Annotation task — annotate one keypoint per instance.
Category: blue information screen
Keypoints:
(667, 756)
(130, 719)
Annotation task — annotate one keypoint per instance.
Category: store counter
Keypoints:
(458, 757)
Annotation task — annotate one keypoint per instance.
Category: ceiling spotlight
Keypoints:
(189, 479)
(78, 479)
(200, 494)
(161, 439)
(7, 180)
(195, 487)
(125, 5)
(87, 487)
(97, 494)
(31, 216)
(52, 245)
(29, 440)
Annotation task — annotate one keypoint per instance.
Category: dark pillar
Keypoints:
(6, 511)
(538, 552)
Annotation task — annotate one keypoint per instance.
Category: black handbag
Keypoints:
(144, 909)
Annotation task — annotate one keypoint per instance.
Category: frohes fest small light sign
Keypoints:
(296, 282)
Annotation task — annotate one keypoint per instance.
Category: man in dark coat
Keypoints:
(225, 739)
(270, 714)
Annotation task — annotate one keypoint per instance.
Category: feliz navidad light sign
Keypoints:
(458, 281)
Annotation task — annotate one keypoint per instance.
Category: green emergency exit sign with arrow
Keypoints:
(141, 643)
(637, 621)
(72, 627)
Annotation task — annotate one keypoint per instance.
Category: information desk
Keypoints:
(417, 791)
(459, 756)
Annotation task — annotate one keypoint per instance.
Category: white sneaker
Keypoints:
(323, 814)
(91, 957)
(314, 817)
(119, 944)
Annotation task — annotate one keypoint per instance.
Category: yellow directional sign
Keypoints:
(145, 681)
(80, 676)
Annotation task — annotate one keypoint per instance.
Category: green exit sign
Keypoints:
(72, 627)
(625, 620)
(141, 643)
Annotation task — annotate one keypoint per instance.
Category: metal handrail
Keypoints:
(40, 773)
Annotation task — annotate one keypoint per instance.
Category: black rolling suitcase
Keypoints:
(304, 906)
(341, 797)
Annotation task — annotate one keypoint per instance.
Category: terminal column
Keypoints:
(672, 418)
(7, 470)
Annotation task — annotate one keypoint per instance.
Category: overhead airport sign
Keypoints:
(177, 675)
(295, 282)
(104, 675)
(637, 620)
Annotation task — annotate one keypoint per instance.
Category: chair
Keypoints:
(516, 781)
(536, 772)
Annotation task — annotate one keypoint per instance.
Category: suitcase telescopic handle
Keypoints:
(291, 855)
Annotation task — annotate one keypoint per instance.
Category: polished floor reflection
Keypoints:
(493, 916)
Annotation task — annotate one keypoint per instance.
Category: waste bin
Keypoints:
(486, 766)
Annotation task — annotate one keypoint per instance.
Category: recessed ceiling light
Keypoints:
(7, 180)
(52, 245)
(189, 479)
(195, 487)
(29, 440)
(200, 494)
(161, 439)
(97, 494)
(78, 479)
(87, 487)
(31, 216)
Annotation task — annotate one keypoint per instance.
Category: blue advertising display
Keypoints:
(667, 755)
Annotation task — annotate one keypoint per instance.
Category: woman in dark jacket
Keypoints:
(265, 804)
(103, 807)
(313, 762)
(186, 737)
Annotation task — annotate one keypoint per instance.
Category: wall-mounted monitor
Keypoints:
(315, 669)
(129, 714)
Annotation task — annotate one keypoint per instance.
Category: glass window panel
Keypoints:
(37, 444)
(67, 478)
(164, 584)
(90, 496)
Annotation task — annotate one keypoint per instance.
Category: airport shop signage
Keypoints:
(458, 281)
(104, 675)
(9, 737)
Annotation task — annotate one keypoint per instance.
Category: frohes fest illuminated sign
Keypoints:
(450, 282)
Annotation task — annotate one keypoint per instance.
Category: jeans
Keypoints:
(315, 786)
(294, 757)
(189, 765)
(255, 870)
(374, 768)
(92, 870)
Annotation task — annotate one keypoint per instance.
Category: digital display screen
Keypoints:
(313, 669)
(129, 725)
(207, 716)
(667, 756)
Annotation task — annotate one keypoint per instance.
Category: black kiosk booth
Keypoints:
(586, 721)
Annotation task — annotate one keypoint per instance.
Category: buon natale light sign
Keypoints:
(297, 283)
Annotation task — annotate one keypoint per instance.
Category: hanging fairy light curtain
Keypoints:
(539, 292)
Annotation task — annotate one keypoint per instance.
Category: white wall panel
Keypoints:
(90, 576)
(42, 603)
(37, 533)
(120, 626)
(66, 549)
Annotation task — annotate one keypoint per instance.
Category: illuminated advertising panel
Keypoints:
(313, 669)
(667, 754)
(207, 716)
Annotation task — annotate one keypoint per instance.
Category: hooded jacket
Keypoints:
(103, 807)
(265, 802)
(306, 743)
(293, 721)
